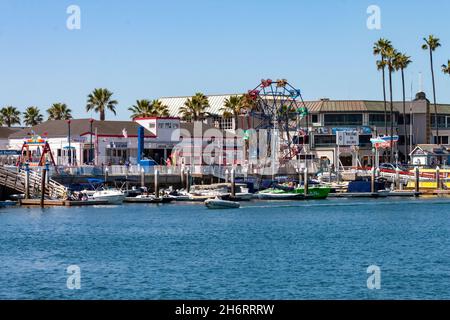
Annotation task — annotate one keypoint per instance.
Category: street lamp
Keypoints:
(91, 153)
(70, 147)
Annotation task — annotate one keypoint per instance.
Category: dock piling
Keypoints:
(188, 180)
(417, 178)
(157, 183)
(372, 180)
(233, 182)
(27, 181)
(306, 181)
(438, 178)
(43, 181)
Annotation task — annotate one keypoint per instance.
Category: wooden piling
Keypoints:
(306, 181)
(157, 183)
(43, 181)
(438, 178)
(417, 178)
(233, 182)
(142, 178)
(372, 180)
(188, 180)
(27, 181)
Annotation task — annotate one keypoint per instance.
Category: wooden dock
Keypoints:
(61, 203)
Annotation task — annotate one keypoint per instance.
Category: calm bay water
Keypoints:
(298, 250)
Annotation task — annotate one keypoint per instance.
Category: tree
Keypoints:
(233, 108)
(401, 62)
(160, 109)
(194, 108)
(144, 109)
(32, 116)
(446, 68)
(10, 116)
(99, 101)
(391, 54)
(381, 48)
(431, 44)
(59, 111)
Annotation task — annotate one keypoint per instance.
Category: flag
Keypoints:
(125, 133)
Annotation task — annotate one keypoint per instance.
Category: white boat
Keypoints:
(112, 196)
(221, 204)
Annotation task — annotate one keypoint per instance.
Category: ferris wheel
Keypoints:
(279, 106)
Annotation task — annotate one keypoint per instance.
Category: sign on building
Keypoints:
(347, 138)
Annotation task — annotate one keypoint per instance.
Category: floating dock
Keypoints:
(62, 203)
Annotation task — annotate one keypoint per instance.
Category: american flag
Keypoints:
(125, 133)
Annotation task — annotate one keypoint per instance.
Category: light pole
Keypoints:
(91, 152)
(70, 147)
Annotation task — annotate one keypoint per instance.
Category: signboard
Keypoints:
(347, 138)
(9, 152)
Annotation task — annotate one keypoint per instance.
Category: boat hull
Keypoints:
(221, 204)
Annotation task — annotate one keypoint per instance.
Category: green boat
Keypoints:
(315, 192)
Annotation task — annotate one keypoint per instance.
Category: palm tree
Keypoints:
(233, 108)
(144, 109)
(402, 61)
(381, 48)
(10, 116)
(431, 44)
(391, 54)
(194, 108)
(446, 68)
(99, 101)
(59, 111)
(32, 116)
(160, 109)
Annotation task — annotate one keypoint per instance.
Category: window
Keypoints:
(377, 119)
(343, 119)
(442, 121)
(365, 140)
(315, 118)
(324, 140)
(442, 140)
(223, 123)
(407, 117)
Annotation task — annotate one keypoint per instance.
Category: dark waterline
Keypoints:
(295, 250)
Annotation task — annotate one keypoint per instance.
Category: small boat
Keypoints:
(277, 194)
(221, 204)
(149, 199)
(111, 196)
(7, 203)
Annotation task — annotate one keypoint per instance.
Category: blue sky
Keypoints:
(149, 49)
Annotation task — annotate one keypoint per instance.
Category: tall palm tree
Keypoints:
(32, 116)
(160, 109)
(99, 101)
(59, 111)
(391, 54)
(10, 116)
(446, 68)
(194, 108)
(381, 48)
(232, 108)
(144, 109)
(431, 44)
(402, 61)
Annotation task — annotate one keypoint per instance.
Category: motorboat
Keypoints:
(221, 204)
(111, 196)
(149, 199)
(277, 194)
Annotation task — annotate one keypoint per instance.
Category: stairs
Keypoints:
(14, 179)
